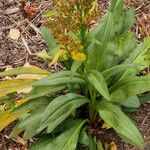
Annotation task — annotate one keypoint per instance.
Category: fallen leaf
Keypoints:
(106, 126)
(30, 10)
(14, 34)
(113, 146)
(8, 117)
(28, 76)
(110, 146)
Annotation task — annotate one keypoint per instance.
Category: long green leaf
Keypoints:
(145, 98)
(113, 71)
(48, 39)
(113, 115)
(61, 78)
(132, 102)
(136, 57)
(129, 87)
(129, 20)
(59, 109)
(75, 66)
(33, 104)
(115, 4)
(65, 141)
(29, 125)
(97, 53)
(41, 143)
(98, 81)
(10, 86)
(39, 91)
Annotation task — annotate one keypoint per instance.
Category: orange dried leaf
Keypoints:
(113, 146)
(30, 10)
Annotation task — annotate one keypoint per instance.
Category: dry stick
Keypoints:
(34, 27)
(26, 45)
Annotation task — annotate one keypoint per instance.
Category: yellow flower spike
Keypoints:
(79, 56)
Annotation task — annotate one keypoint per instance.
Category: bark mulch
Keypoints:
(14, 53)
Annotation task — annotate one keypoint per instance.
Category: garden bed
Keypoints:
(14, 53)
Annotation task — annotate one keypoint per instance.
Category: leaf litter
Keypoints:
(15, 23)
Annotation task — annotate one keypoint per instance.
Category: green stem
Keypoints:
(92, 112)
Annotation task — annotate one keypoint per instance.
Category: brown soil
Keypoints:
(14, 53)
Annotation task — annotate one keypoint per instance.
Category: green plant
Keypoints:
(100, 78)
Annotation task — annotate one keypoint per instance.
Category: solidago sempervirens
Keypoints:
(62, 106)
(72, 16)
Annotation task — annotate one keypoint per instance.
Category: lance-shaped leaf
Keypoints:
(129, 87)
(39, 91)
(59, 109)
(61, 78)
(136, 57)
(98, 81)
(115, 4)
(113, 115)
(75, 66)
(66, 141)
(10, 86)
(41, 143)
(145, 98)
(98, 55)
(132, 102)
(28, 125)
(33, 104)
(108, 74)
(24, 70)
(48, 39)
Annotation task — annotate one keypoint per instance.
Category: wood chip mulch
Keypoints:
(14, 53)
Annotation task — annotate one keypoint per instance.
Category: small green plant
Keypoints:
(100, 77)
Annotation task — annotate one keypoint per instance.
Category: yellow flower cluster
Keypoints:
(71, 16)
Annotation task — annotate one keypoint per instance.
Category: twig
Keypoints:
(33, 27)
(26, 45)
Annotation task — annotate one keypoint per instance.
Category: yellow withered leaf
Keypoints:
(10, 86)
(106, 126)
(8, 117)
(26, 69)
